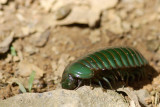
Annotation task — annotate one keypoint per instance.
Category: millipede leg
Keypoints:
(116, 77)
(127, 78)
(105, 79)
(90, 83)
(113, 79)
(79, 84)
(100, 84)
(123, 74)
(120, 74)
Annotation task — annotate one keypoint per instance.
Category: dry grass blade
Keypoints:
(21, 87)
(156, 100)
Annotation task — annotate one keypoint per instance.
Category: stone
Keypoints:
(82, 97)
(47, 4)
(62, 12)
(25, 69)
(16, 59)
(143, 95)
(3, 1)
(114, 23)
(81, 15)
(83, 12)
(5, 44)
(30, 49)
(126, 26)
(40, 39)
(95, 36)
(132, 95)
(103, 4)
(153, 45)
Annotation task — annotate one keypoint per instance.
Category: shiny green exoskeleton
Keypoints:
(106, 65)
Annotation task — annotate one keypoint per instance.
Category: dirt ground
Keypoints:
(44, 45)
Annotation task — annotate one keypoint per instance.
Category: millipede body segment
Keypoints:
(105, 67)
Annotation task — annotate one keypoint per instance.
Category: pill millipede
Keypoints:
(105, 68)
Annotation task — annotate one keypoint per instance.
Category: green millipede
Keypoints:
(105, 67)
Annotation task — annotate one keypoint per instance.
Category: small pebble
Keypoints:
(30, 49)
(5, 44)
(135, 25)
(95, 36)
(143, 95)
(40, 38)
(153, 93)
(9, 58)
(153, 45)
(62, 12)
(16, 59)
(3, 1)
(126, 26)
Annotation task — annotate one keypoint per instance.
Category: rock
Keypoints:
(156, 82)
(95, 36)
(20, 55)
(62, 12)
(54, 66)
(84, 12)
(25, 69)
(114, 23)
(152, 17)
(3, 1)
(30, 49)
(85, 31)
(135, 25)
(143, 95)
(47, 4)
(28, 3)
(123, 14)
(132, 95)
(153, 45)
(148, 87)
(55, 50)
(82, 97)
(9, 58)
(26, 31)
(1, 75)
(81, 15)
(126, 26)
(16, 58)
(103, 4)
(5, 90)
(132, 1)
(158, 63)
(139, 12)
(44, 55)
(4, 45)
(20, 17)
(40, 39)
